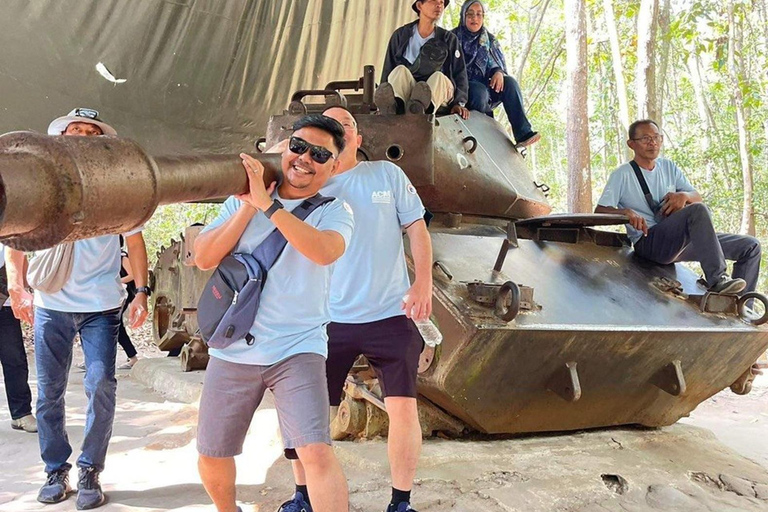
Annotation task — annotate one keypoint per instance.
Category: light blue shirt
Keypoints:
(369, 281)
(94, 284)
(415, 44)
(293, 311)
(624, 191)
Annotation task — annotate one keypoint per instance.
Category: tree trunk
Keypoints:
(618, 75)
(663, 57)
(645, 78)
(579, 178)
(705, 141)
(735, 72)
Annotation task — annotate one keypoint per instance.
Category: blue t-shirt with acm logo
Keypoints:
(369, 281)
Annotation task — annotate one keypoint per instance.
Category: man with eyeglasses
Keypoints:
(288, 345)
(673, 224)
(424, 67)
(89, 304)
(373, 304)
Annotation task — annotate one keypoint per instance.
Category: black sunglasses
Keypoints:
(317, 153)
(88, 113)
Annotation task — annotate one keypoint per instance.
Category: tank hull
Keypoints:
(598, 314)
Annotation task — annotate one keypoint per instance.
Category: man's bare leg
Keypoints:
(404, 443)
(325, 480)
(218, 476)
(298, 473)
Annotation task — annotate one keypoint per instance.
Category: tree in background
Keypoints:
(577, 128)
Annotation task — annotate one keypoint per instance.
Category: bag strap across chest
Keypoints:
(270, 249)
(643, 185)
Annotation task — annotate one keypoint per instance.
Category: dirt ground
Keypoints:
(151, 463)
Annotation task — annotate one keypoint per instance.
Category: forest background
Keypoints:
(588, 68)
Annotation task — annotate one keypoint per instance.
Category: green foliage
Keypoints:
(699, 28)
(169, 222)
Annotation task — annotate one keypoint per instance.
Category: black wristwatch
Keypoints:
(145, 289)
(276, 205)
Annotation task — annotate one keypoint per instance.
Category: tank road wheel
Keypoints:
(755, 297)
(352, 416)
(508, 301)
(743, 384)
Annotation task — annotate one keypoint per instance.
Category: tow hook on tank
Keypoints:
(752, 307)
(507, 299)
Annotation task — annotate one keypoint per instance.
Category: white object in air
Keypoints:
(103, 71)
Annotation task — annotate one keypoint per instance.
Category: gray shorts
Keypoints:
(232, 392)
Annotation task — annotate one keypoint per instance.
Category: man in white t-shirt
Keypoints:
(373, 304)
(424, 66)
(673, 224)
(88, 304)
(288, 344)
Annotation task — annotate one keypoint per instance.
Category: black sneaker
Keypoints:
(404, 506)
(727, 286)
(89, 494)
(56, 488)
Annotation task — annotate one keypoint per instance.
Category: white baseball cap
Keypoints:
(79, 115)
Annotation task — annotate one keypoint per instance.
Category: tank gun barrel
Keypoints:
(56, 189)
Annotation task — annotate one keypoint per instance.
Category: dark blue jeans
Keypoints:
(15, 368)
(482, 98)
(54, 337)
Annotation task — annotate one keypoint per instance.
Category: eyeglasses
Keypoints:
(88, 113)
(479, 15)
(647, 139)
(317, 153)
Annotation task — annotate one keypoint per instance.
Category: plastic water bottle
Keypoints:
(428, 330)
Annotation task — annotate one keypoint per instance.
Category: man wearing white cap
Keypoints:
(87, 303)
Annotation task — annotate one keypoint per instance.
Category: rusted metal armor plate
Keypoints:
(598, 310)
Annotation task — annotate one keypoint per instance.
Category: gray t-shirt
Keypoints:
(415, 44)
(624, 191)
(369, 281)
(94, 284)
(293, 311)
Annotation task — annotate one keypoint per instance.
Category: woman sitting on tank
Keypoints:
(489, 83)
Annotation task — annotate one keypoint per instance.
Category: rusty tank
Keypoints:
(548, 322)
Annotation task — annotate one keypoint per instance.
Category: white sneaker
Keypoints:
(27, 423)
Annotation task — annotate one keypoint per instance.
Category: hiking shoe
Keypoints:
(56, 488)
(727, 286)
(421, 99)
(384, 97)
(533, 138)
(89, 494)
(26, 423)
(404, 506)
(295, 504)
